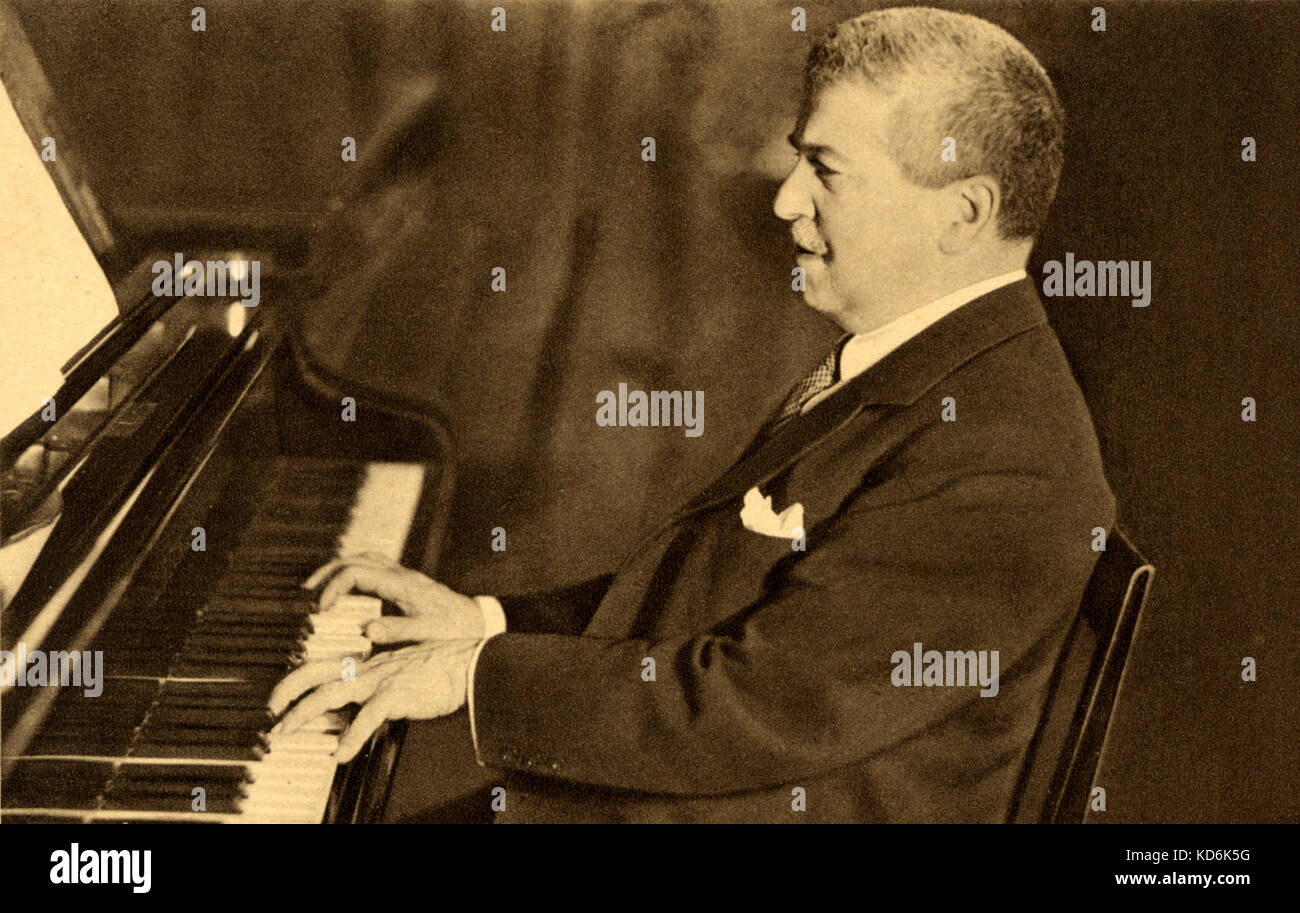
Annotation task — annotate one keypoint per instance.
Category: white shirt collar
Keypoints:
(863, 350)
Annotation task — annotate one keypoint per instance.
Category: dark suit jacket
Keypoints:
(773, 666)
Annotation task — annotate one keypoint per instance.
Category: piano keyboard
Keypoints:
(193, 649)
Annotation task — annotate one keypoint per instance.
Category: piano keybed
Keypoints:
(194, 647)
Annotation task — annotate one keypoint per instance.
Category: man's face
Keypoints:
(864, 234)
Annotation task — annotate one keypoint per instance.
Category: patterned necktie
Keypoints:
(821, 378)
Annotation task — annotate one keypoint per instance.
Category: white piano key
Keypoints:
(292, 782)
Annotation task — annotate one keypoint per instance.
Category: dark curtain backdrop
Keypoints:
(521, 149)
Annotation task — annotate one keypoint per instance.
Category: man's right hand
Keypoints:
(432, 611)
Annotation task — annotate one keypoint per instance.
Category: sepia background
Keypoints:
(521, 149)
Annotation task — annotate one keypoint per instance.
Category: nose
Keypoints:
(792, 200)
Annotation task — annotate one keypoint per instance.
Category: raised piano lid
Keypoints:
(54, 294)
(34, 101)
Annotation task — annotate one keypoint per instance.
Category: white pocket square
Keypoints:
(758, 516)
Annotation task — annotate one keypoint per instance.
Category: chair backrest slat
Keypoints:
(1058, 774)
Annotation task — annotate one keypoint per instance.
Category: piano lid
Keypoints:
(54, 295)
(38, 109)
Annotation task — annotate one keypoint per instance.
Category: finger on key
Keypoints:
(301, 680)
(326, 698)
(321, 574)
(368, 719)
(386, 583)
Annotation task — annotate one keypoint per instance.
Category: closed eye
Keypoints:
(823, 173)
(819, 168)
(811, 152)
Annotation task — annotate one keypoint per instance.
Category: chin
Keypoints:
(822, 303)
(832, 315)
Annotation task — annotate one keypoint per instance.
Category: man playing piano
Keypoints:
(745, 666)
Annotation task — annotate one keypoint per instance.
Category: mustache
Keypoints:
(807, 237)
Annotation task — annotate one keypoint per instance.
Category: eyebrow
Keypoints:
(813, 150)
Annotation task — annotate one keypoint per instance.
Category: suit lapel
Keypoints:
(782, 449)
(899, 379)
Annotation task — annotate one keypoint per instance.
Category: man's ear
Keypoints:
(974, 204)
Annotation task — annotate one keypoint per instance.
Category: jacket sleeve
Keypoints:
(800, 681)
(565, 610)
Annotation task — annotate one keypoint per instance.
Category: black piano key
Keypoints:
(290, 583)
(254, 718)
(93, 718)
(36, 783)
(124, 789)
(300, 512)
(229, 642)
(122, 641)
(213, 701)
(116, 691)
(302, 539)
(200, 656)
(198, 751)
(236, 622)
(237, 612)
(199, 774)
(151, 665)
(170, 803)
(81, 742)
(193, 818)
(312, 556)
(290, 597)
(250, 673)
(161, 732)
(127, 791)
(253, 606)
(292, 632)
(178, 689)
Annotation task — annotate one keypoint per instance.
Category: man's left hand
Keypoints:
(420, 682)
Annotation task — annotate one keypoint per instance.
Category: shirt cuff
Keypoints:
(494, 616)
(494, 623)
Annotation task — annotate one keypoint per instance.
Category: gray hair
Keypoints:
(976, 84)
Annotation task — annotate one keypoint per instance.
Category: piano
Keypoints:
(198, 467)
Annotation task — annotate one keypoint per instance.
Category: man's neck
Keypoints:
(862, 350)
(863, 323)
